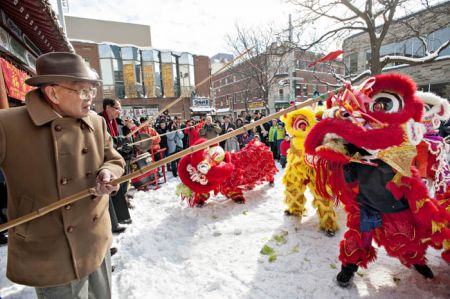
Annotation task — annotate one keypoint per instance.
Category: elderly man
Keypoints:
(50, 149)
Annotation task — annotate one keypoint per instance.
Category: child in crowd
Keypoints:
(284, 146)
(231, 144)
(246, 138)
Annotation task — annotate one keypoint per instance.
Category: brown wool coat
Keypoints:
(46, 158)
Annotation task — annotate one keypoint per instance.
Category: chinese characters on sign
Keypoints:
(14, 80)
(129, 81)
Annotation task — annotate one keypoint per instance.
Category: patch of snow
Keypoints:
(174, 251)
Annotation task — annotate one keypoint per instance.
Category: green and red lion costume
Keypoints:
(362, 152)
(229, 173)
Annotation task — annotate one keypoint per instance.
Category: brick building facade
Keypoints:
(234, 94)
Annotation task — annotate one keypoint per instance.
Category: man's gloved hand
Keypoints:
(103, 186)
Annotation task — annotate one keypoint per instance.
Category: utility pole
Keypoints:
(290, 30)
(292, 72)
(61, 16)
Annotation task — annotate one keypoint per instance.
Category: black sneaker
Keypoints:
(126, 221)
(119, 229)
(113, 250)
(239, 200)
(345, 276)
(424, 270)
(329, 233)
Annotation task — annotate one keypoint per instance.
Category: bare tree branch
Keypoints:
(414, 61)
(381, 20)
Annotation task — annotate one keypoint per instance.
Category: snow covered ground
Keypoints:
(174, 251)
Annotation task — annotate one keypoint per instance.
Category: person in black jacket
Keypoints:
(377, 207)
(118, 204)
(161, 128)
(262, 130)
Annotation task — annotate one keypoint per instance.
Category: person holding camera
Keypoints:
(174, 144)
(118, 207)
(210, 130)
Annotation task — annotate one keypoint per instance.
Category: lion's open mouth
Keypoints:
(334, 142)
(349, 141)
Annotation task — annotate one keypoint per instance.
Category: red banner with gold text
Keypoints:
(15, 80)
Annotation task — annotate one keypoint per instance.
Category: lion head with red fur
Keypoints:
(204, 170)
(382, 112)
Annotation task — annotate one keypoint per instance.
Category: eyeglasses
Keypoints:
(117, 108)
(84, 94)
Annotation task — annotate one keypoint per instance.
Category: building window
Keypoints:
(301, 64)
(351, 62)
(132, 72)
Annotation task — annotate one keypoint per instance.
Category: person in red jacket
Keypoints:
(284, 146)
(193, 132)
(152, 133)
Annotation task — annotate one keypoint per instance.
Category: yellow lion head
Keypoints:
(298, 123)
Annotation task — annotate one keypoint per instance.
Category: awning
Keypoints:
(37, 20)
(223, 111)
(201, 109)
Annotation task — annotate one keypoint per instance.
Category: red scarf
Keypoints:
(112, 125)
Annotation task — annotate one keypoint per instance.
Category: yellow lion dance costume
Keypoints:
(299, 175)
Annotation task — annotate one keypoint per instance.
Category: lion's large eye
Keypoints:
(300, 124)
(427, 107)
(386, 102)
(203, 167)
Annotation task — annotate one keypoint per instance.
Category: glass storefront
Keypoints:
(152, 73)
(131, 72)
(112, 70)
(187, 80)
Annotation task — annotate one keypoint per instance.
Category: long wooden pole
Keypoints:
(181, 97)
(73, 198)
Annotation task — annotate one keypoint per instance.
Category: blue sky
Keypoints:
(196, 26)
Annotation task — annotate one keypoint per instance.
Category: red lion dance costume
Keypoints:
(228, 173)
(362, 152)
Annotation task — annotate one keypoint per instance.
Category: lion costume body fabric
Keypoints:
(299, 175)
(362, 153)
(431, 160)
(229, 173)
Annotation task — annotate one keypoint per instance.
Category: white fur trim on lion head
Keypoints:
(438, 106)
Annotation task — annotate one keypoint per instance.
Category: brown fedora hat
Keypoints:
(61, 66)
